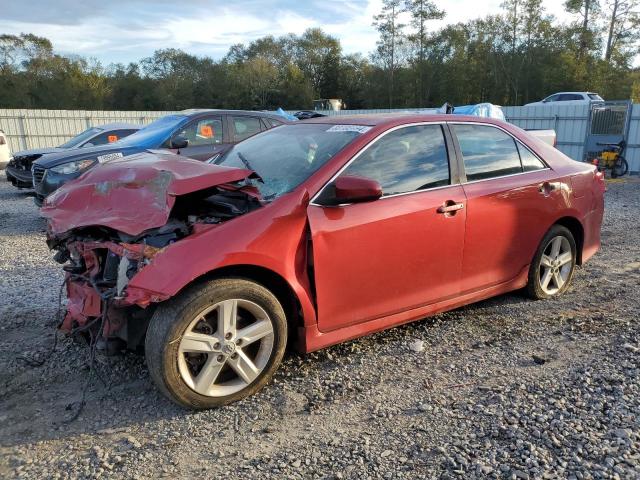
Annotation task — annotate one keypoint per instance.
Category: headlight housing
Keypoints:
(73, 167)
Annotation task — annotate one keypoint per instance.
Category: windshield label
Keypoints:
(349, 128)
(109, 156)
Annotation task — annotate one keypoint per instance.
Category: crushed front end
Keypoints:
(105, 232)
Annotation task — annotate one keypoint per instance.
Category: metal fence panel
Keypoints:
(569, 121)
(27, 129)
(633, 140)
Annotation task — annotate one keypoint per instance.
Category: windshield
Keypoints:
(286, 156)
(153, 134)
(596, 97)
(81, 138)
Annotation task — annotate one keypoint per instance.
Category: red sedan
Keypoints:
(313, 233)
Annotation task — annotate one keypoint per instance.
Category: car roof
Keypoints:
(579, 93)
(118, 125)
(191, 112)
(375, 120)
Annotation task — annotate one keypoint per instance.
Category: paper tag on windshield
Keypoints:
(109, 156)
(349, 128)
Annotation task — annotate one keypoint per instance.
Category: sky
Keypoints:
(122, 31)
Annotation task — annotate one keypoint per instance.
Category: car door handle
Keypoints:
(450, 207)
(547, 187)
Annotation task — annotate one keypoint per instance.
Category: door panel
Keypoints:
(506, 219)
(382, 257)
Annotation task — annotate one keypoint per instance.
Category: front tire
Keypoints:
(553, 265)
(216, 343)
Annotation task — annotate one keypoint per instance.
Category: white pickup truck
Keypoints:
(548, 136)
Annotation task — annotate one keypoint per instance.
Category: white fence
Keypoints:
(27, 129)
(43, 128)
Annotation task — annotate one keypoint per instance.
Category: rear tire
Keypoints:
(620, 168)
(552, 268)
(216, 343)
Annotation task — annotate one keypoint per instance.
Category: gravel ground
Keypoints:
(505, 388)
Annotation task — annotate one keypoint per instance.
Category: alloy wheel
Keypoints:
(225, 347)
(556, 264)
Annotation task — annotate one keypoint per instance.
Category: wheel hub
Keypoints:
(229, 348)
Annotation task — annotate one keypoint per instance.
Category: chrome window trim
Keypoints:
(516, 140)
(364, 148)
(505, 176)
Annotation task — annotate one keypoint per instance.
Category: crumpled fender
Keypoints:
(273, 238)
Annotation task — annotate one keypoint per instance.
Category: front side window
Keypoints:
(487, 152)
(405, 160)
(286, 156)
(205, 131)
(245, 127)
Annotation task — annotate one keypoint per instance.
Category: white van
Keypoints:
(4, 150)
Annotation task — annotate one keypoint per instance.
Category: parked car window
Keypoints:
(205, 131)
(529, 161)
(569, 97)
(596, 97)
(108, 137)
(487, 152)
(245, 127)
(405, 160)
(552, 98)
(80, 138)
(270, 122)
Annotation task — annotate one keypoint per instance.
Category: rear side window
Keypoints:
(405, 160)
(245, 127)
(487, 152)
(270, 122)
(530, 162)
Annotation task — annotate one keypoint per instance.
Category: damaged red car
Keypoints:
(313, 234)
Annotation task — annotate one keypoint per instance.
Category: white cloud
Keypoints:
(133, 30)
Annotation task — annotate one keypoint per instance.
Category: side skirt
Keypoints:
(314, 339)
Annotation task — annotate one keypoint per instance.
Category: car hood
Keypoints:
(61, 156)
(134, 194)
(37, 152)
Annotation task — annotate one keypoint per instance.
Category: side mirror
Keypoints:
(179, 142)
(353, 189)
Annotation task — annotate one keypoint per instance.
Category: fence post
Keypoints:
(23, 132)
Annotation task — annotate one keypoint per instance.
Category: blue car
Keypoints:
(199, 134)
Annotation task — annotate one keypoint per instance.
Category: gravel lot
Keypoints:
(505, 388)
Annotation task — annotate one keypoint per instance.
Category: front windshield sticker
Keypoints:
(349, 128)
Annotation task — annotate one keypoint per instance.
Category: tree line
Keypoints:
(522, 54)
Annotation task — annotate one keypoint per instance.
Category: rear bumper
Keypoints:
(19, 178)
